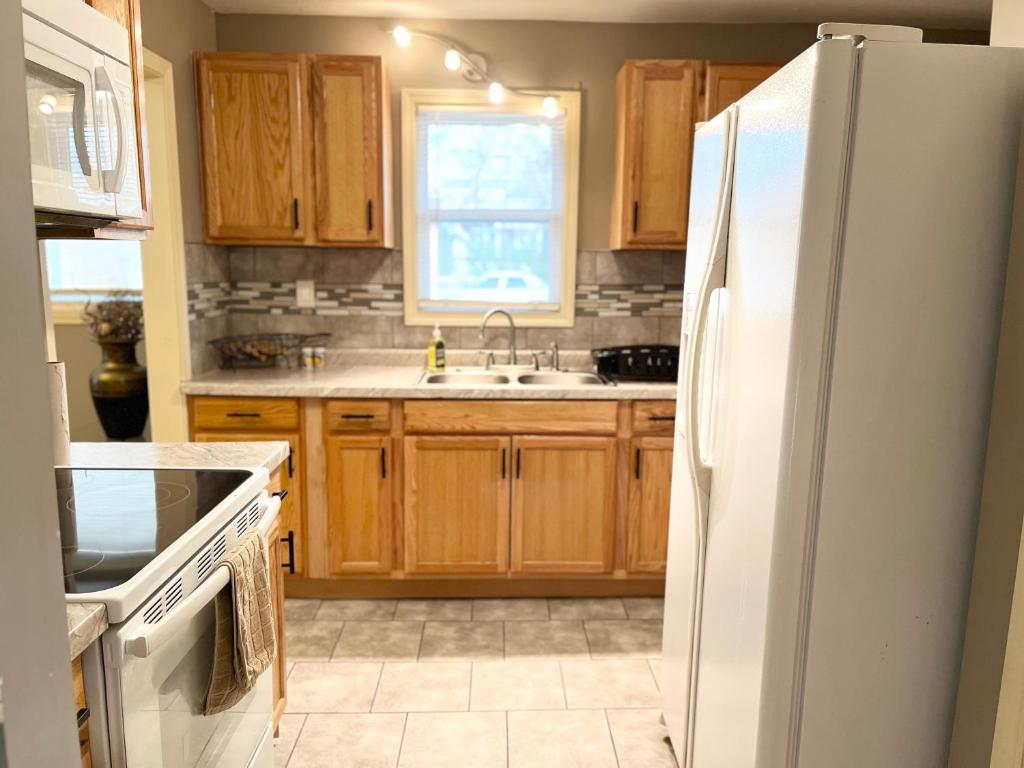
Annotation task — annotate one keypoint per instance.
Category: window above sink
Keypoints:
(490, 206)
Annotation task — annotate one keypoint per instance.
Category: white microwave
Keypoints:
(81, 112)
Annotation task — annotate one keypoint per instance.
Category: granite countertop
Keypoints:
(265, 455)
(402, 382)
(87, 621)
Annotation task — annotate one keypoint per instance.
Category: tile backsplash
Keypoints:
(621, 298)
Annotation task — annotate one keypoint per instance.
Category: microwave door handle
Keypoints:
(113, 180)
(78, 127)
(148, 641)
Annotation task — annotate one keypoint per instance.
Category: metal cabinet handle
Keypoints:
(295, 213)
(384, 463)
(519, 462)
(357, 415)
(369, 215)
(637, 470)
(82, 717)
(503, 463)
(243, 414)
(661, 418)
(636, 214)
(290, 541)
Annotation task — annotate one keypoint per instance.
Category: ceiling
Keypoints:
(937, 14)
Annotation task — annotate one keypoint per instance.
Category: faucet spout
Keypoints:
(512, 324)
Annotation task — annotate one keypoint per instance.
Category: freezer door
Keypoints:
(705, 270)
(785, 216)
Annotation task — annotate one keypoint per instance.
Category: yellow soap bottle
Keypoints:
(435, 351)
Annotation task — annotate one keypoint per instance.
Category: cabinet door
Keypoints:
(563, 504)
(292, 509)
(456, 504)
(650, 487)
(655, 114)
(725, 84)
(348, 118)
(251, 117)
(280, 668)
(359, 504)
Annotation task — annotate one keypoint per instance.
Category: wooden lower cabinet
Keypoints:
(280, 668)
(359, 504)
(292, 508)
(81, 705)
(456, 504)
(650, 489)
(563, 504)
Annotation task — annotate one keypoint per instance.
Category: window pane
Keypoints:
(80, 268)
(490, 165)
(492, 262)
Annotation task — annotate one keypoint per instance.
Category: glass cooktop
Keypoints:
(113, 522)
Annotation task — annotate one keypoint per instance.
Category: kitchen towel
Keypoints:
(244, 644)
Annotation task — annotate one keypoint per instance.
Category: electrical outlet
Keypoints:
(305, 294)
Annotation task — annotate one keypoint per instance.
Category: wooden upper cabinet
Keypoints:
(352, 134)
(725, 84)
(251, 117)
(456, 504)
(655, 113)
(563, 504)
(359, 504)
(650, 490)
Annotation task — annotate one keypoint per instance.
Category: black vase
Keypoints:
(119, 391)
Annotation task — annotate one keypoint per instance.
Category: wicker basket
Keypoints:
(261, 350)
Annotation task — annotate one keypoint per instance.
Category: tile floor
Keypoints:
(526, 683)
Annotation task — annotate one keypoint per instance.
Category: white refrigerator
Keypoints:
(848, 233)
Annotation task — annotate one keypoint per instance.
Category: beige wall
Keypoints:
(174, 29)
(999, 525)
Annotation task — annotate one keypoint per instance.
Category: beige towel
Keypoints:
(244, 644)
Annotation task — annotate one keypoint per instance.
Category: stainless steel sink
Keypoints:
(559, 379)
(466, 379)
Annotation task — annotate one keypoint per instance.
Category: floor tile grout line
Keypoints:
(295, 743)
(611, 737)
(401, 741)
(376, 688)
(508, 743)
(565, 694)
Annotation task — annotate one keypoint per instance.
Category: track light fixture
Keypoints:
(473, 67)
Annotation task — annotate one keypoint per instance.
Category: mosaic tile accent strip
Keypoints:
(208, 300)
(385, 300)
(629, 300)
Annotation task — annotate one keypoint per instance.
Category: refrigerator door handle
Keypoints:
(714, 277)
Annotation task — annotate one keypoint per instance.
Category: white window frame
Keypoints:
(476, 100)
(66, 307)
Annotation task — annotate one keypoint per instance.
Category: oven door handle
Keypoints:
(146, 643)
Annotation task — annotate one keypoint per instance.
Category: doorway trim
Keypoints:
(165, 288)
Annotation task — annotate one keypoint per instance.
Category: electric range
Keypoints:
(148, 543)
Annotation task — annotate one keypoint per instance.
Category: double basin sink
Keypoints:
(482, 377)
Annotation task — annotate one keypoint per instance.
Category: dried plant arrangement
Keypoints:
(118, 318)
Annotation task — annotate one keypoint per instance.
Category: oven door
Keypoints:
(64, 123)
(160, 698)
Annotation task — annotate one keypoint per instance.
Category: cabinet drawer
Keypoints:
(533, 417)
(245, 413)
(358, 415)
(654, 417)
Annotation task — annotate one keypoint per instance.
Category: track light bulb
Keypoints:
(496, 92)
(402, 36)
(452, 60)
